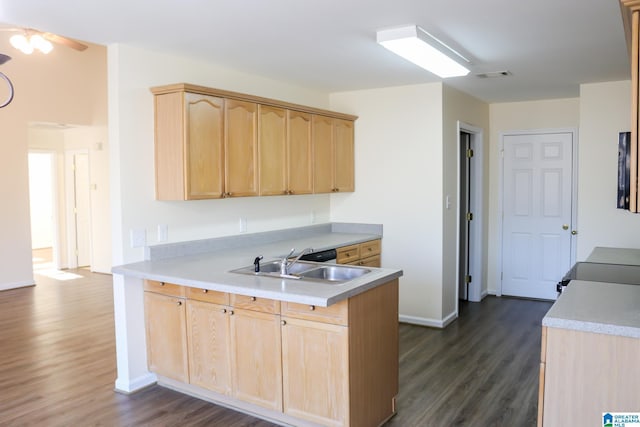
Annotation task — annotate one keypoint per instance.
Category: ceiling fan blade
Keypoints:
(64, 41)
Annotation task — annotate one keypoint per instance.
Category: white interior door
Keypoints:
(537, 217)
(78, 189)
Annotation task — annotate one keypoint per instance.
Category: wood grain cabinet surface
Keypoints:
(333, 155)
(366, 254)
(165, 317)
(631, 21)
(584, 374)
(333, 366)
(211, 143)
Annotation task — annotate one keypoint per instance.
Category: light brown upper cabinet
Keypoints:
(333, 154)
(299, 153)
(212, 143)
(631, 21)
(189, 131)
(272, 150)
(241, 148)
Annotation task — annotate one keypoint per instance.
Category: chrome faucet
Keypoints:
(285, 264)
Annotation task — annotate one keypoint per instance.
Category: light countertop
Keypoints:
(211, 270)
(598, 307)
(622, 256)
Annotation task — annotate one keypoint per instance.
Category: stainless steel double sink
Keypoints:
(326, 273)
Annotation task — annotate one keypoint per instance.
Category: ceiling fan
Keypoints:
(28, 39)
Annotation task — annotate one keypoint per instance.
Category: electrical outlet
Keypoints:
(163, 232)
(138, 238)
(243, 225)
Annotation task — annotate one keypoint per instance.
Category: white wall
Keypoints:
(131, 73)
(513, 116)
(64, 86)
(604, 112)
(399, 184)
(459, 107)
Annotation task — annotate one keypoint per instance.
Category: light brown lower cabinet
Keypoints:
(365, 254)
(208, 328)
(166, 331)
(322, 350)
(332, 366)
(584, 374)
(257, 358)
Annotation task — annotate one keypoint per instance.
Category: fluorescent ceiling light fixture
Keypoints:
(418, 46)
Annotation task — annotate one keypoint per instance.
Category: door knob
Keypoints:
(574, 232)
(565, 226)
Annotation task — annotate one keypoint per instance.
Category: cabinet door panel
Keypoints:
(204, 116)
(300, 176)
(241, 148)
(319, 350)
(344, 155)
(165, 318)
(272, 141)
(322, 136)
(209, 352)
(256, 350)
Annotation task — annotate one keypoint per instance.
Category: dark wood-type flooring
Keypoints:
(57, 365)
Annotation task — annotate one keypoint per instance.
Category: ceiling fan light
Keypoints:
(40, 43)
(20, 42)
(416, 45)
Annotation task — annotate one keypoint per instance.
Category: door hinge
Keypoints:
(469, 216)
(467, 279)
(469, 153)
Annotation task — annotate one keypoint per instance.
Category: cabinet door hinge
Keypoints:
(469, 153)
(467, 279)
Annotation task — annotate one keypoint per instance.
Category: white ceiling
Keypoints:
(550, 46)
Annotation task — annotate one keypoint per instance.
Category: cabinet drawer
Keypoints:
(372, 261)
(370, 248)
(208, 296)
(264, 305)
(164, 288)
(347, 254)
(337, 314)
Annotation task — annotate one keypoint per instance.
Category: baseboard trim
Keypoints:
(423, 321)
(16, 285)
(269, 415)
(137, 384)
(450, 318)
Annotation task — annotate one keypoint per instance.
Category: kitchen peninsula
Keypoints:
(293, 351)
(591, 343)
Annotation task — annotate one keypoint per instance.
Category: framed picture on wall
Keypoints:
(624, 175)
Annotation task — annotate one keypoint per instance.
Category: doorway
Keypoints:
(43, 211)
(470, 208)
(538, 214)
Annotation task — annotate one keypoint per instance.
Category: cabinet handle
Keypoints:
(253, 298)
(312, 307)
(230, 312)
(284, 322)
(161, 283)
(179, 303)
(224, 310)
(205, 290)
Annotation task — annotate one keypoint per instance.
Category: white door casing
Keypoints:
(78, 208)
(537, 200)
